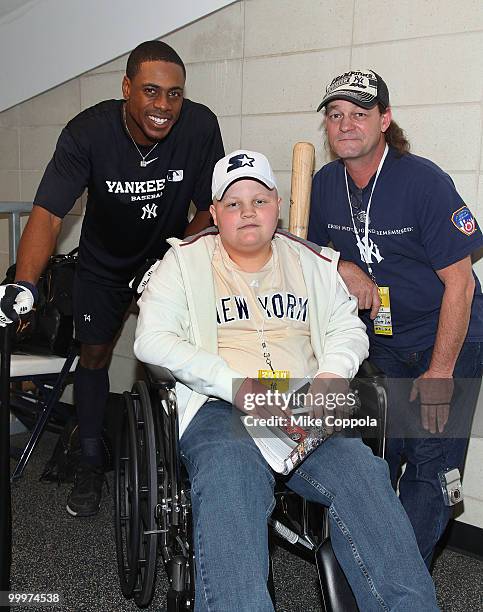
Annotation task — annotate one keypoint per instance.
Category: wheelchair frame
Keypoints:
(153, 507)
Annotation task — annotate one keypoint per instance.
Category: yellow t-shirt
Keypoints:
(270, 305)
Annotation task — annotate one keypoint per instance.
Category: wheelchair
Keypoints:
(153, 509)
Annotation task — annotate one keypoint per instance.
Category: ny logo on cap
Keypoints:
(238, 161)
(364, 81)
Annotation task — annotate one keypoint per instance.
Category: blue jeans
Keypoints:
(419, 488)
(232, 497)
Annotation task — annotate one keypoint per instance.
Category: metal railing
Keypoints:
(14, 210)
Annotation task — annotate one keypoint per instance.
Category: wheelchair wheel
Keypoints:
(126, 499)
(148, 495)
(175, 539)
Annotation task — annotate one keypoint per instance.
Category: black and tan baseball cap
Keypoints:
(362, 87)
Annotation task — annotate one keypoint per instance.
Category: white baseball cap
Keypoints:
(238, 165)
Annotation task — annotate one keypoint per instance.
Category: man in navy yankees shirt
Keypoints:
(143, 160)
(406, 239)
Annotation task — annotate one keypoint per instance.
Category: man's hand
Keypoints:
(361, 286)
(435, 393)
(15, 300)
(257, 399)
(198, 223)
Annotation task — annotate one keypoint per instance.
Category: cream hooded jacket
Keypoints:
(177, 320)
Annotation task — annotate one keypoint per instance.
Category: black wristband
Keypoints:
(32, 288)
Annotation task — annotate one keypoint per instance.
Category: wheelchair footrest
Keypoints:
(174, 601)
(290, 535)
(177, 573)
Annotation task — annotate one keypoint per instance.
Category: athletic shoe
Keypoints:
(85, 497)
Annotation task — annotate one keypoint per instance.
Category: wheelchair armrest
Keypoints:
(370, 386)
(159, 377)
(369, 370)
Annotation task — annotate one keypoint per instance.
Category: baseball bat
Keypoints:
(302, 169)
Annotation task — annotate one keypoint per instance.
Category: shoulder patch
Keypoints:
(464, 221)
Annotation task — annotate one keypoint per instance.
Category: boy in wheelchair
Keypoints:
(243, 301)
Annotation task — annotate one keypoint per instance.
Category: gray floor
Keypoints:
(76, 557)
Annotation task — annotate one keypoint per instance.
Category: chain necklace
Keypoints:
(143, 163)
(264, 346)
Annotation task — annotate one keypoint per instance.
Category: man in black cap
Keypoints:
(406, 239)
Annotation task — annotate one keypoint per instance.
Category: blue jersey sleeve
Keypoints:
(449, 231)
(317, 231)
(65, 177)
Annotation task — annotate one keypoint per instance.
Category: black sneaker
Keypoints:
(85, 497)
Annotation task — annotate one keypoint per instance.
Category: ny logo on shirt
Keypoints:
(368, 249)
(149, 210)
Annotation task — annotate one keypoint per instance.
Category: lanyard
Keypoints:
(260, 331)
(265, 350)
(364, 243)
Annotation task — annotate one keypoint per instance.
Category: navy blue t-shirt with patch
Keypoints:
(418, 224)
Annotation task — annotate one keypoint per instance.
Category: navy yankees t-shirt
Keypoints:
(130, 210)
(418, 224)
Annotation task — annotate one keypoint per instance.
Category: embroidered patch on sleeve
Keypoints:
(464, 221)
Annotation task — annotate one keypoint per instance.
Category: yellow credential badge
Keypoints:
(278, 378)
(383, 321)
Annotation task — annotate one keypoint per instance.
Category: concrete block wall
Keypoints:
(262, 66)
